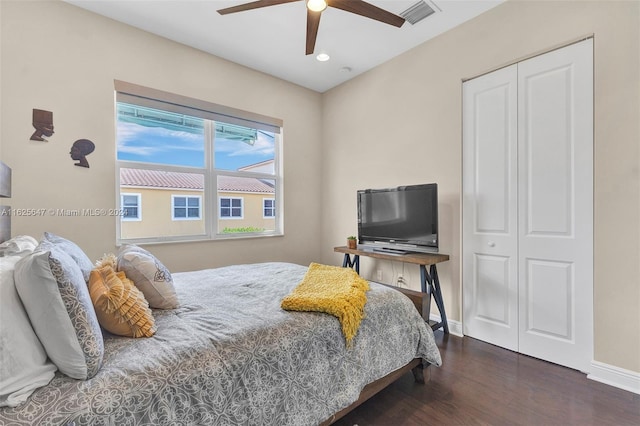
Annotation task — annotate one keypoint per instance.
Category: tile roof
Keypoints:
(237, 184)
(160, 179)
(195, 181)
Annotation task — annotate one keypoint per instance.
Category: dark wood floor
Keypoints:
(481, 384)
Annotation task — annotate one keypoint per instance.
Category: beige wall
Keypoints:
(401, 124)
(64, 59)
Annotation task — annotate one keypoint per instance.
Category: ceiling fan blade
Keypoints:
(367, 10)
(253, 5)
(313, 23)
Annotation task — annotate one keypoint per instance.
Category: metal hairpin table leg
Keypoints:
(431, 286)
(355, 263)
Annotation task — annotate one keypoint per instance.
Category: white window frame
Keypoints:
(220, 198)
(273, 207)
(138, 195)
(186, 207)
(171, 102)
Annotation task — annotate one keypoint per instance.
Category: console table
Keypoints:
(430, 284)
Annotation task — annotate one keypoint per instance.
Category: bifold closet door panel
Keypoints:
(555, 169)
(490, 233)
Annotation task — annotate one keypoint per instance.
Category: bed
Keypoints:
(229, 355)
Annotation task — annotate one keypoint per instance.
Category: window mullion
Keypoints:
(210, 182)
(279, 194)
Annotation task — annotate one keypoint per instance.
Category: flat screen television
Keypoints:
(400, 220)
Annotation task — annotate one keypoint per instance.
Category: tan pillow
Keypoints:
(120, 307)
(149, 275)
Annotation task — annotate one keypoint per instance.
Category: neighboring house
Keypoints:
(170, 203)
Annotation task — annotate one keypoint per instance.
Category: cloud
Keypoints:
(264, 146)
(165, 146)
(143, 151)
(148, 141)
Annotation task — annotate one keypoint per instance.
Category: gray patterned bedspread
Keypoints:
(231, 356)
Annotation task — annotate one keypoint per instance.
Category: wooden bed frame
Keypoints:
(417, 365)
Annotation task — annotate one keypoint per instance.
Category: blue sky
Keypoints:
(164, 146)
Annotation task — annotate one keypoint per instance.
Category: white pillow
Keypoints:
(52, 288)
(149, 275)
(24, 366)
(22, 244)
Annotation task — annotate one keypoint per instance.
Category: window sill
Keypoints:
(195, 239)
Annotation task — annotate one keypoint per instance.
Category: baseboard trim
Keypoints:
(615, 376)
(455, 327)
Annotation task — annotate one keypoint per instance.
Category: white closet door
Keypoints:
(490, 223)
(528, 206)
(555, 163)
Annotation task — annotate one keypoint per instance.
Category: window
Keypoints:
(213, 167)
(268, 207)
(231, 208)
(185, 207)
(131, 206)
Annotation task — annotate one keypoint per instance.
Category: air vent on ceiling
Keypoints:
(417, 12)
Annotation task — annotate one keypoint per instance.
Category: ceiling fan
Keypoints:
(315, 8)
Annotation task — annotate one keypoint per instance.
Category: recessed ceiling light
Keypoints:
(322, 57)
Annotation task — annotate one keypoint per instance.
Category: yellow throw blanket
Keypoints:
(334, 290)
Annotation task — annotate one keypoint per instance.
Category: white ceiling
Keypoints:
(272, 39)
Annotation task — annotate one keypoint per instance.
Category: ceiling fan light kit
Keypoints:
(314, 11)
(316, 5)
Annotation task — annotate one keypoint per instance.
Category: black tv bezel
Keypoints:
(395, 243)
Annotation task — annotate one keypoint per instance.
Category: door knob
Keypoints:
(492, 244)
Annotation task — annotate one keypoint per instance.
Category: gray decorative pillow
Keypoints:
(72, 250)
(149, 275)
(55, 295)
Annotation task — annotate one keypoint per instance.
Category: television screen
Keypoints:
(404, 218)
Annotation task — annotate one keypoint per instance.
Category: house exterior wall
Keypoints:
(252, 212)
(156, 214)
(156, 217)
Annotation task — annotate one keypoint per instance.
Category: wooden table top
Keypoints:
(417, 258)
